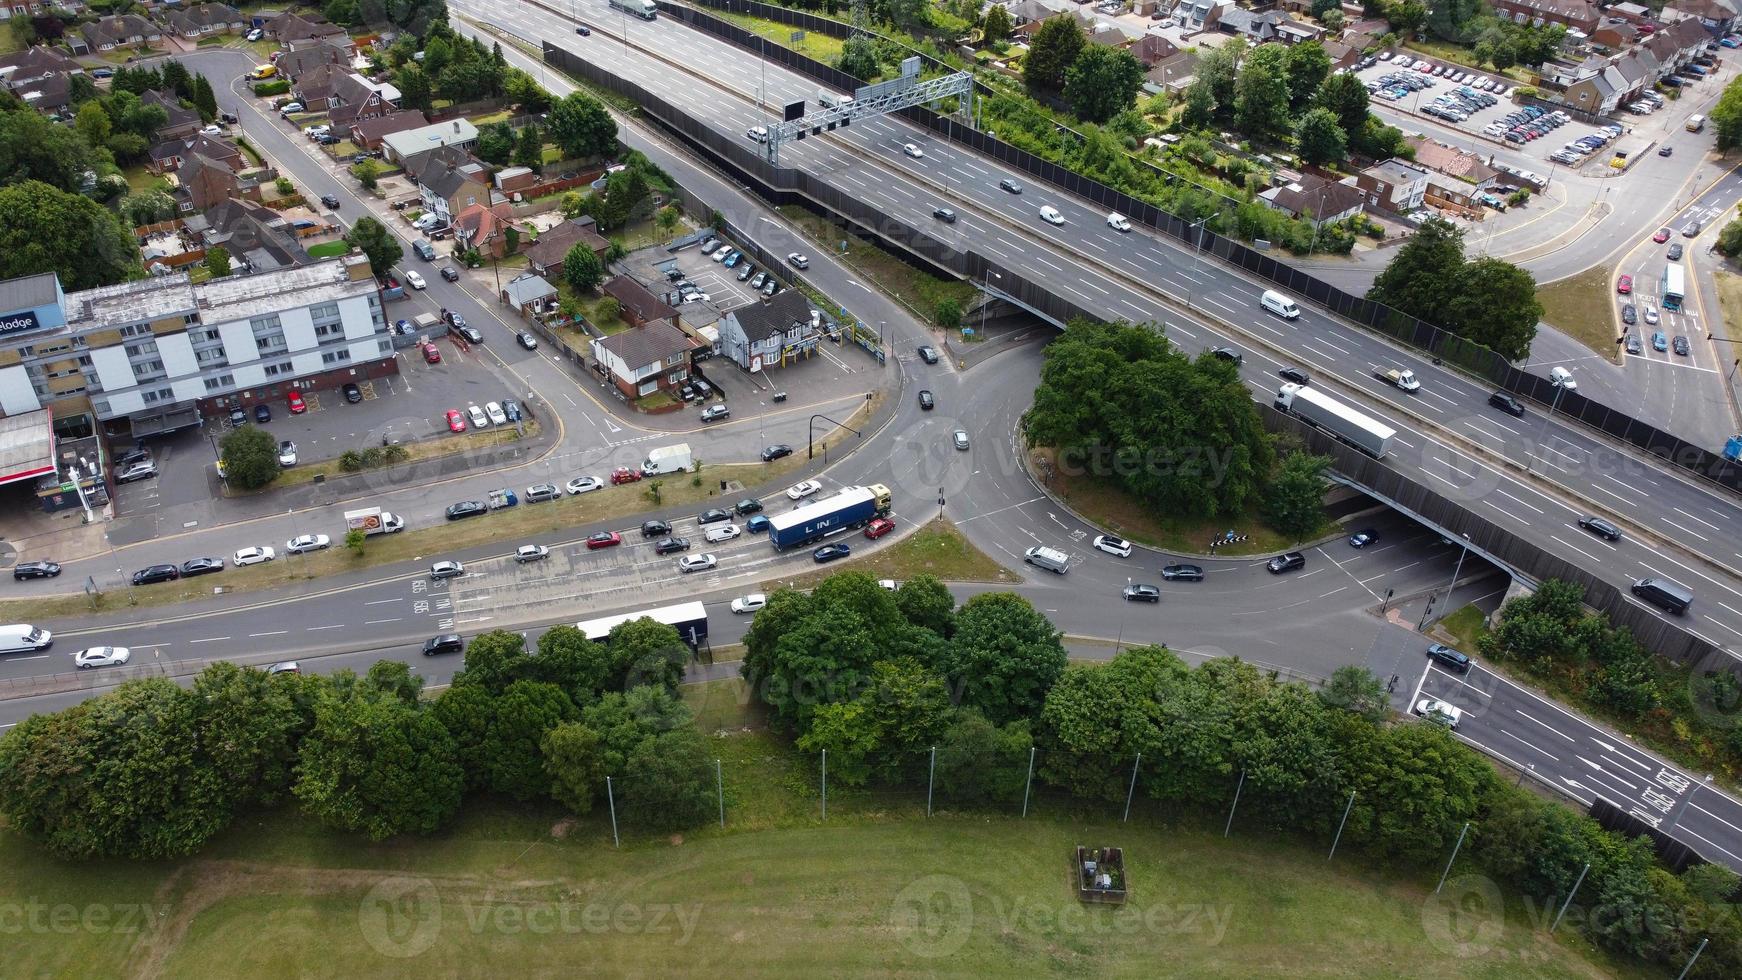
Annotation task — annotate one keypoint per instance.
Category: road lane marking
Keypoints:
(1529, 717)
(268, 633)
(210, 639)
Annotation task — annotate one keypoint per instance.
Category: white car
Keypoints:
(889, 584)
(101, 657)
(725, 532)
(306, 542)
(721, 253)
(1051, 216)
(287, 453)
(531, 552)
(696, 563)
(212, 130)
(749, 603)
(1437, 710)
(1118, 222)
(446, 569)
(427, 220)
(582, 484)
(316, 132)
(912, 150)
(798, 261)
(476, 414)
(799, 491)
(415, 278)
(497, 416)
(253, 556)
(1112, 545)
(255, 34)
(1651, 314)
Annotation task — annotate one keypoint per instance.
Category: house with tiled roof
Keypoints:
(448, 187)
(1580, 15)
(168, 156)
(346, 96)
(1316, 199)
(485, 228)
(293, 30)
(294, 64)
(368, 133)
(255, 235)
(182, 122)
(204, 20)
(637, 302)
(547, 255)
(206, 182)
(1461, 165)
(39, 76)
(1153, 49)
(1716, 16)
(769, 334)
(124, 31)
(654, 356)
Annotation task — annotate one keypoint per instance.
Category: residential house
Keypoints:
(1365, 35)
(1394, 185)
(1255, 27)
(1031, 11)
(168, 156)
(294, 64)
(182, 122)
(639, 305)
(39, 76)
(1153, 49)
(485, 228)
(400, 147)
(124, 31)
(1315, 199)
(449, 188)
(652, 357)
(528, 294)
(1717, 16)
(1343, 57)
(204, 20)
(1579, 15)
(205, 182)
(546, 257)
(1198, 16)
(1461, 165)
(1292, 31)
(258, 238)
(368, 133)
(1633, 13)
(769, 334)
(1104, 34)
(346, 96)
(294, 30)
(1614, 37)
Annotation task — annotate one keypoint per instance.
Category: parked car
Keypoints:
(584, 484)
(287, 453)
(296, 404)
(201, 566)
(777, 451)
(446, 569)
(714, 413)
(465, 509)
(303, 543)
(34, 569)
(1286, 563)
(155, 574)
(252, 556)
(603, 539)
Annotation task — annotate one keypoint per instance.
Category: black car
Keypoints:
(201, 566)
(583, 30)
(1182, 573)
(772, 453)
(466, 508)
(1363, 538)
(1628, 315)
(928, 353)
(34, 569)
(749, 505)
(667, 546)
(238, 416)
(353, 394)
(1634, 344)
(945, 215)
(1228, 354)
(1506, 403)
(1295, 376)
(1142, 593)
(155, 574)
(466, 330)
(655, 529)
(512, 409)
(830, 552)
(1680, 345)
(713, 516)
(1286, 563)
(1675, 251)
(1010, 185)
(331, 201)
(450, 273)
(262, 413)
(445, 643)
(1600, 527)
(926, 401)
(1447, 657)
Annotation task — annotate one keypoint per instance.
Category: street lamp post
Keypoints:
(1197, 253)
(1453, 587)
(984, 302)
(1560, 386)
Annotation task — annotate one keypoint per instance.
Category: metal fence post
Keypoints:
(611, 801)
(930, 774)
(825, 784)
(1236, 804)
(1132, 788)
(1029, 782)
(720, 791)
(1702, 948)
(1340, 824)
(1454, 857)
(1569, 901)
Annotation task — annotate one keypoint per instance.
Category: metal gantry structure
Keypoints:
(876, 100)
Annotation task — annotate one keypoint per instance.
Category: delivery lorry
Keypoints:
(667, 459)
(373, 520)
(1404, 379)
(853, 507)
(1348, 424)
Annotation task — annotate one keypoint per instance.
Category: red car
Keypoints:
(456, 421)
(624, 474)
(296, 404)
(1624, 285)
(879, 527)
(431, 354)
(603, 539)
(1661, 236)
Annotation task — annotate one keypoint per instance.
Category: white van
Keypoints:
(1051, 216)
(1118, 222)
(24, 638)
(1562, 378)
(1279, 304)
(1050, 559)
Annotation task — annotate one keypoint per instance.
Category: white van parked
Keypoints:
(1279, 304)
(24, 638)
(1051, 559)
(1118, 222)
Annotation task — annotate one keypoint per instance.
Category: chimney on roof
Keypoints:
(456, 127)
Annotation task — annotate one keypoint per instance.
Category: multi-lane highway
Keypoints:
(1535, 475)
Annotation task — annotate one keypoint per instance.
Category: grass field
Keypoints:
(1730, 303)
(1467, 625)
(877, 890)
(920, 291)
(327, 250)
(1583, 308)
(936, 549)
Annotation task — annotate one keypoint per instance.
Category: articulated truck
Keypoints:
(851, 508)
(1351, 426)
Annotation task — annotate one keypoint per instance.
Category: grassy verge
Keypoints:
(919, 290)
(1580, 307)
(877, 890)
(1466, 625)
(1730, 300)
(1109, 507)
(327, 250)
(415, 452)
(936, 549)
(822, 47)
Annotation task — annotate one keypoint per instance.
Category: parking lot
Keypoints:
(1480, 105)
(702, 276)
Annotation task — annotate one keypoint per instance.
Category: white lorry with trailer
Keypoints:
(373, 520)
(1348, 424)
(667, 459)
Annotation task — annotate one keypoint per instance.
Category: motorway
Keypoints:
(1451, 440)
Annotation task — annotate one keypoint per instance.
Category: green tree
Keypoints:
(468, 712)
(1200, 108)
(1448, 20)
(1320, 8)
(647, 652)
(1729, 242)
(582, 269)
(949, 314)
(355, 541)
(624, 720)
(1102, 82)
(1425, 276)
(495, 143)
(368, 173)
(996, 27)
(927, 603)
(574, 765)
(494, 660)
(1083, 741)
(1333, 21)
(1355, 689)
(250, 457)
(1261, 96)
(378, 766)
(43, 229)
(1004, 657)
(415, 90)
(524, 90)
(845, 731)
(1726, 117)
(981, 763)
(523, 714)
(1346, 98)
(1307, 66)
(1496, 307)
(582, 128)
(1319, 137)
(1406, 16)
(908, 709)
(218, 261)
(204, 100)
(146, 207)
(529, 148)
(1220, 70)
(177, 78)
(1294, 503)
(92, 122)
(668, 782)
(1054, 48)
(250, 723)
(371, 238)
(579, 666)
(858, 58)
(667, 218)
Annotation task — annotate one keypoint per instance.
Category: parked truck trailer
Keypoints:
(853, 507)
(1346, 423)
